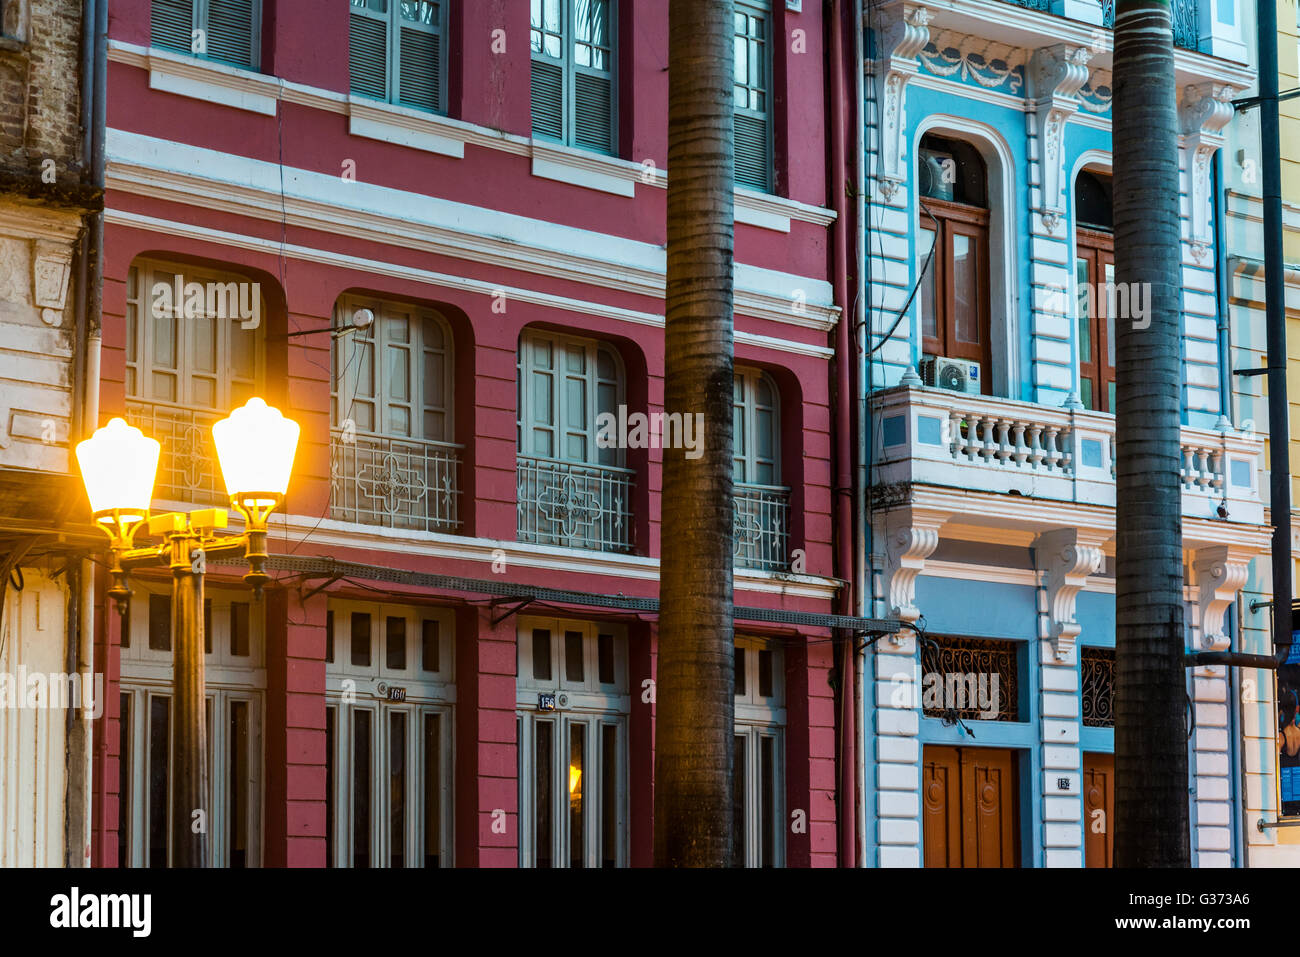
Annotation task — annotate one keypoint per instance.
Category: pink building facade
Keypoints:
(472, 196)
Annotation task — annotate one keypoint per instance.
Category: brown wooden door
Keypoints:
(970, 801)
(955, 292)
(1094, 268)
(941, 807)
(1098, 809)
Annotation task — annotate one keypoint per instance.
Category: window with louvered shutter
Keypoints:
(173, 24)
(224, 30)
(753, 122)
(573, 89)
(397, 51)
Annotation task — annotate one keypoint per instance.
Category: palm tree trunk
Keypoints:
(694, 714)
(1151, 796)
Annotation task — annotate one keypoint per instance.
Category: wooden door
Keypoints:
(941, 803)
(1098, 809)
(969, 813)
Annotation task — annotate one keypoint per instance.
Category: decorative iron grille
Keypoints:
(1098, 667)
(762, 527)
(574, 505)
(1186, 21)
(187, 465)
(1043, 5)
(970, 678)
(394, 482)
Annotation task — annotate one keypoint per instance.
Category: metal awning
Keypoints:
(332, 569)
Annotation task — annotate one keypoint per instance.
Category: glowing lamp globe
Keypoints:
(255, 446)
(118, 465)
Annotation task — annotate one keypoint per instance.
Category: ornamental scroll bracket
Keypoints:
(906, 550)
(1221, 571)
(900, 42)
(1066, 557)
(1056, 74)
(1203, 111)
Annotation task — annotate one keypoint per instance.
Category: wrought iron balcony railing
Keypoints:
(1186, 21)
(187, 466)
(1186, 25)
(762, 527)
(574, 505)
(394, 482)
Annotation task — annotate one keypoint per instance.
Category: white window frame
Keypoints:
(393, 23)
(760, 717)
(350, 688)
(527, 421)
(199, 12)
(570, 69)
(590, 704)
(372, 345)
(746, 456)
(760, 10)
(147, 673)
(229, 388)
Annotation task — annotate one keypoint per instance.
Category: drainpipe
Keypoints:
(843, 501)
(863, 579)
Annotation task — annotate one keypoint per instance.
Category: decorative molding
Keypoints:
(374, 267)
(51, 267)
(900, 42)
(335, 537)
(1056, 75)
(990, 67)
(906, 550)
(185, 174)
(1067, 557)
(1221, 571)
(1203, 111)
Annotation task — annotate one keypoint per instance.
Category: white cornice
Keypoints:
(256, 92)
(288, 532)
(1018, 26)
(488, 290)
(1025, 516)
(186, 174)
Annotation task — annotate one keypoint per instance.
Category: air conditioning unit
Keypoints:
(957, 375)
(934, 185)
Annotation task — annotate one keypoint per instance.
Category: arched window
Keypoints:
(572, 490)
(394, 461)
(953, 253)
(193, 353)
(762, 503)
(1094, 275)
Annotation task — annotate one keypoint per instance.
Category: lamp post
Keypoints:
(255, 447)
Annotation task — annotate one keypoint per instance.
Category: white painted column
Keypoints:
(897, 697)
(1065, 558)
(1218, 573)
(1056, 74)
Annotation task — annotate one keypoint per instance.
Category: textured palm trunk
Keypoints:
(1151, 793)
(694, 724)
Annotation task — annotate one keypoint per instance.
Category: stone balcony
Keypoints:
(949, 440)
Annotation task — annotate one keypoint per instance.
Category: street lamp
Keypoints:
(255, 447)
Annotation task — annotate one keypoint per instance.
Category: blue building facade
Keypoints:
(988, 735)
